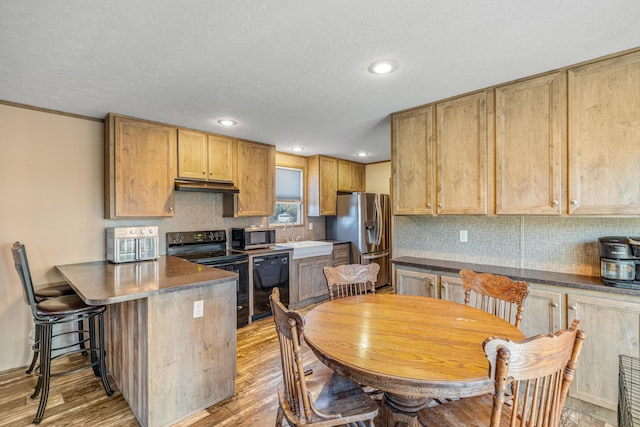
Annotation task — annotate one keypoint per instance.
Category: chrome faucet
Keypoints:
(292, 228)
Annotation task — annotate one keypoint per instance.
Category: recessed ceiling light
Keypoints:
(362, 154)
(227, 122)
(385, 66)
(297, 149)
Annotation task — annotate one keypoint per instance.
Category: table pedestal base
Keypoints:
(401, 411)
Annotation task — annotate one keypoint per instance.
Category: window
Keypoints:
(289, 185)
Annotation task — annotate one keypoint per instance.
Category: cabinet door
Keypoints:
(410, 282)
(319, 280)
(612, 328)
(221, 158)
(542, 312)
(192, 154)
(412, 162)
(256, 179)
(322, 185)
(306, 273)
(345, 175)
(461, 155)
(530, 136)
(140, 168)
(310, 275)
(604, 135)
(451, 289)
(359, 177)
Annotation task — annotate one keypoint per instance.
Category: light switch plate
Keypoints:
(464, 237)
(198, 309)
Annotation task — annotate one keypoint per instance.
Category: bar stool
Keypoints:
(41, 294)
(56, 311)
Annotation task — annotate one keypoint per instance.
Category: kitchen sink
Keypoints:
(307, 248)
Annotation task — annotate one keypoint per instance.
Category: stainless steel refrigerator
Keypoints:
(364, 220)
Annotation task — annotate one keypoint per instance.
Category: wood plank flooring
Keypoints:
(79, 399)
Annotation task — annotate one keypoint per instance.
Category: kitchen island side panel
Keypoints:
(168, 364)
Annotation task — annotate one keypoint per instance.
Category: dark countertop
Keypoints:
(537, 276)
(335, 242)
(264, 251)
(102, 282)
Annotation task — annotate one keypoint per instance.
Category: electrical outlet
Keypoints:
(464, 237)
(198, 309)
(310, 226)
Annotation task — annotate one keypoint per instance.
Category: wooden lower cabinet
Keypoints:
(308, 284)
(543, 310)
(612, 326)
(415, 282)
(451, 289)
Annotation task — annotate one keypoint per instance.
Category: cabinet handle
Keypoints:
(428, 205)
(572, 307)
(439, 205)
(204, 172)
(574, 202)
(170, 208)
(554, 304)
(554, 203)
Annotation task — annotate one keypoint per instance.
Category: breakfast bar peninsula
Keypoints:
(169, 358)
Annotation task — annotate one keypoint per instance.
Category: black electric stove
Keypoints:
(209, 248)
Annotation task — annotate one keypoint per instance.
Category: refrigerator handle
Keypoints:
(378, 220)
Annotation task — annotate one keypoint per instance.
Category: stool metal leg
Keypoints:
(45, 371)
(35, 348)
(101, 357)
(93, 347)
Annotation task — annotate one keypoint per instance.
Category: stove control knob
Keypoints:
(132, 231)
(143, 231)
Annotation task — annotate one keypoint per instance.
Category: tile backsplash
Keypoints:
(559, 244)
(203, 211)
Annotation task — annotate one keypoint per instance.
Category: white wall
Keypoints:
(378, 177)
(51, 186)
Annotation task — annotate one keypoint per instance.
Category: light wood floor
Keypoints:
(79, 399)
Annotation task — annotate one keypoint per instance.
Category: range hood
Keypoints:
(206, 187)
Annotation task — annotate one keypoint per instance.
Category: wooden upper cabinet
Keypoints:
(461, 155)
(205, 156)
(351, 176)
(530, 140)
(140, 168)
(256, 169)
(412, 162)
(604, 137)
(322, 185)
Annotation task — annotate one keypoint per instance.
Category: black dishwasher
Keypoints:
(269, 271)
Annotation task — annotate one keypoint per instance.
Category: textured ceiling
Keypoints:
(291, 72)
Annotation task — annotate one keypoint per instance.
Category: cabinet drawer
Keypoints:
(341, 254)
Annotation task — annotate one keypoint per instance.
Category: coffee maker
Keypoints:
(620, 261)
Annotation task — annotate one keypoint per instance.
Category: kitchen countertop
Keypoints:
(537, 276)
(102, 282)
(263, 251)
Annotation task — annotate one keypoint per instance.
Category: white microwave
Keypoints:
(130, 244)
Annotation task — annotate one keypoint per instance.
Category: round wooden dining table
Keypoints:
(412, 348)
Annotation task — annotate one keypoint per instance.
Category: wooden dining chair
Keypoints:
(495, 294)
(531, 380)
(351, 279)
(323, 398)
